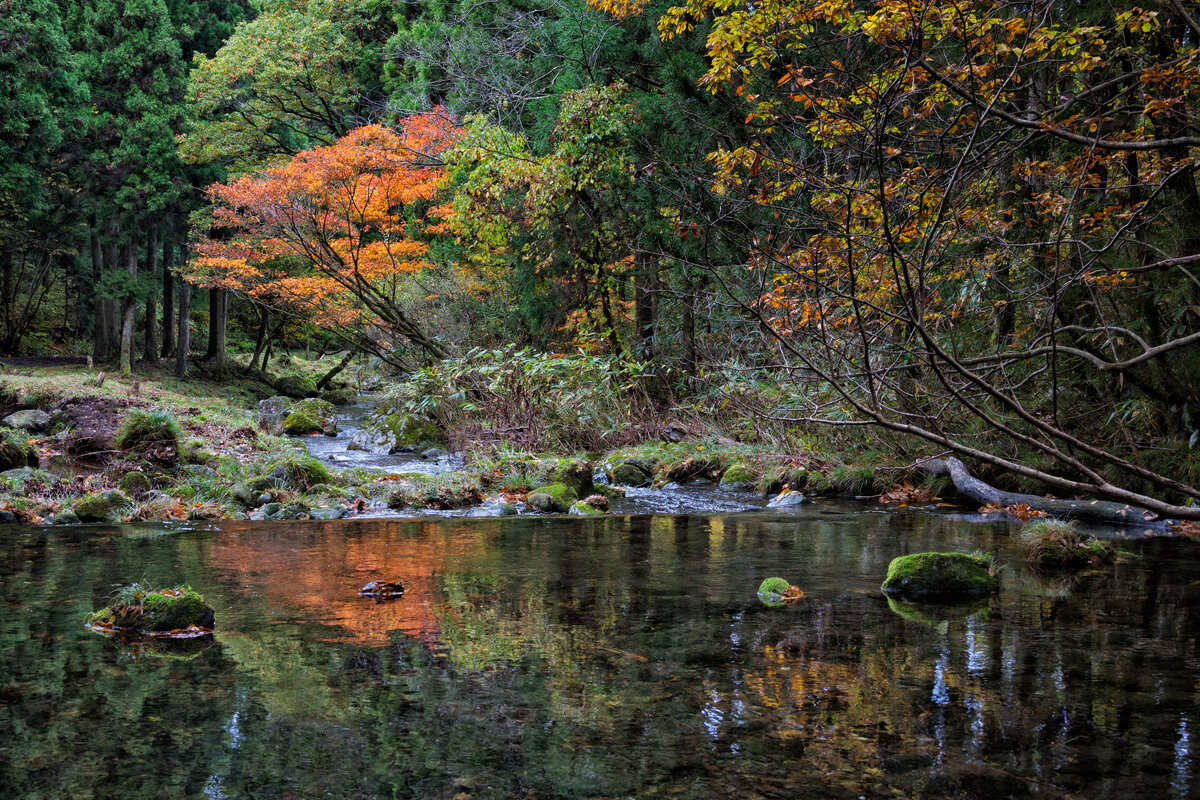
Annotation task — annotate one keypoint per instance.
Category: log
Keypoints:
(1086, 510)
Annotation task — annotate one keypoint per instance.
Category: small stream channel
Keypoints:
(695, 497)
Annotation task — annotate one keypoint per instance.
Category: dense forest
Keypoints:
(901, 227)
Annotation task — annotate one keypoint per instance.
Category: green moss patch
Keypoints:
(1058, 544)
(941, 575)
(102, 506)
(143, 609)
(552, 498)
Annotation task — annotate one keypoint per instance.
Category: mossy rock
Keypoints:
(311, 416)
(31, 420)
(944, 576)
(553, 498)
(15, 450)
(582, 509)
(147, 610)
(575, 473)
(101, 506)
(296, 386)
(739, 478)
(409, 431)
(628, 474)
(297, 423)
(271, 413)
(134, 483)
(300, 471)
(22, 475)
(340, 397)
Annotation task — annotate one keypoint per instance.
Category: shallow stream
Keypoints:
(623, 656)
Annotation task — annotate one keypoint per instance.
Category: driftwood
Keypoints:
(1087, 510)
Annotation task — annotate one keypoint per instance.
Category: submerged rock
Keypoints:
(33, 421)
(383, 589)
(942, 576)
(145, 610)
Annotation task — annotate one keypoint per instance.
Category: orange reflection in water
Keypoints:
(311, 573)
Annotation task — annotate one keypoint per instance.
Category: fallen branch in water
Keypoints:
(1088, 510)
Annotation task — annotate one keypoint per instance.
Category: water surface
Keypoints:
(581, 657)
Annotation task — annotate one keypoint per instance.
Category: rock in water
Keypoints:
(142, 609)
(787, 499)
(383, 589)
(941, 576)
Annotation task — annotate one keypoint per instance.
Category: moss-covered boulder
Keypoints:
(15, 450)
(399, 433)
(134, 483)
(310, 416)
(575, 473)
(941, 576)
(582, 509)
(101, 506)
(296, 386)
(340, 397)
(739, 478)
(143, 609)
(628, 474)
(553, 498)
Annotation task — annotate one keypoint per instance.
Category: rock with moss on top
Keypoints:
(582, 509)
(310, 416)
(143, 609)
(396, 433)
(738, 478)
(628, 474)
(340, 397)
(102, 506)
(31, 420)
(154, 434)
(941, 576)
(296, 386)
(575, 473)
(555, 498)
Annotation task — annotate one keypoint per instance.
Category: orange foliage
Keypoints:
(330, 232)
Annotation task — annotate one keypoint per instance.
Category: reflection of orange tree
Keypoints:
(333, 234)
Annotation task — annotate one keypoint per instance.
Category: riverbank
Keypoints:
(203, 450)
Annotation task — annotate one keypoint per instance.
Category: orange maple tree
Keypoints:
(333, 233)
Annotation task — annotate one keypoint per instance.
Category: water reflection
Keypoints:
(595, 658)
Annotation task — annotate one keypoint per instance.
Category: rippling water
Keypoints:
(612, 657)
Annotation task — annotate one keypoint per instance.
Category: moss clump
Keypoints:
(296, 386)
(442, 492)
(739, 478)
(299, 470)
(141, 429)
(575, 473)
(583, 509)
(141, 608)
(553, 498)
(340, 397)
(628, 475)
(941, 575)
(1059, 544)
(310, 416)
(101, 506)
(134, 483)
(409, 431)
(297, 423)
(15, 450)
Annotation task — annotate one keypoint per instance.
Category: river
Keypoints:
(623, 656)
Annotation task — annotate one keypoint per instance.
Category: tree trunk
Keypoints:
(688, 332)
(185, 329)
(643, 306)
(218, 314)
(151, 351)
(341, 365)
(260, 342)
(128, 311)
(100, 324)
(168, 252)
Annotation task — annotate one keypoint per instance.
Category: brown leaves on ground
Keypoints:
(1019, 511)
(906, 494)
